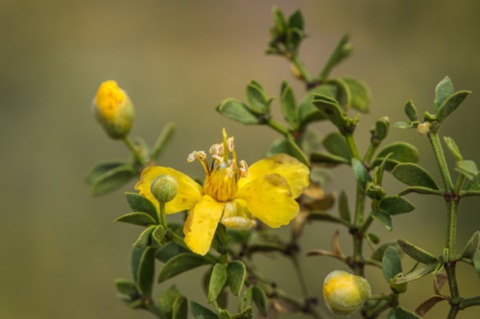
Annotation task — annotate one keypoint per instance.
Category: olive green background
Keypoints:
(60, 250)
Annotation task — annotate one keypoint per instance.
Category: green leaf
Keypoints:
(443, 91)
(279, 20)
(218, 279)
(473, 184)
(139, 203)
(260, 299)
(416, 252)
(180, 308)
(417, 273)
(246, 299)
(200, 312)
(392, 267)
(170, 250)
(361, 95)
(336, 144)
(180, 264)
(135, 259)
(452, 146)
(361, 174)
(141, 219)
(158, 235)
(413, 175)
(144, 239)
(421, 190)
(472, 246)
(378, 253)
(411, 110)
(288, 106)
(451, 105)
(476, 262)
(224, 314)
(340, 53)
(107, 177)
(324, 217)
(258, 101)
(237, 272)
(288, 146)
(307, 111)
(162, 141)
(127, 290)
(146, 271)
(331, 110)
(166, 301)
(383, 218)
(344, 96)
(379, 170)
(400, 152)
(467, 168)
(380, 131)
(296, 20)
(343, 207)
(237, 111)
(247, 313)
(394, 205)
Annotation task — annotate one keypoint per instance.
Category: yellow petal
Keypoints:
(269, 199)
(284, 165)
(189, 191)
(201, 224)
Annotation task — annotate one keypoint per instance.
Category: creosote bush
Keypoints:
(232, 214)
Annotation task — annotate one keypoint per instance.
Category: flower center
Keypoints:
(223, 173)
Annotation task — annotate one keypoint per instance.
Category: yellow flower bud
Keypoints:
(345, 293)
(164, 188)
(113, 109)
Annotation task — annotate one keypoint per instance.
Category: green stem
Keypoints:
(302, 69)
(469, 302)
(134, 150)
(352, 146)
(301, 278)
(162, 216)
(441, 161)
(278, 127)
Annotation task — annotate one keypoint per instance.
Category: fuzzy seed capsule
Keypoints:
(345, 293)
(164, 188)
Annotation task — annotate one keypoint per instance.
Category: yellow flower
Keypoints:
(113, 109)
(233, 194)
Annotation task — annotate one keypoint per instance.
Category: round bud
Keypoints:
(113, 110)
(424, 128)
(164, 188)
(345, 293)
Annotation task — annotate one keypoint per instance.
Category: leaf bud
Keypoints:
(164, 188)
(345, 293)
(375, 191)
(424, 128)
(113, 109)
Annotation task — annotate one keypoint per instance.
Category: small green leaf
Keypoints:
(158, 235)
(146, 271)
(162, 141)
(361, 174)
(452, 146)
(413, 175)
(340, 53)
(144, 239)
(451, 105)
(279, 20)
(260, 299)
(383, 218)
(246, 299)
(411, 110)
(416, 252)
(112, 179)
(247, 313)
(237, 273)
(331, 110)
(472, 246)
(391, 263)
(417, 273)
(378, 253)
(200, 312)
(400, 152)
(361, 95)
(379, 131)
(336, 144)
(403, 125)
(135, 259)
(139, 203)
(180, 264)
(127, 290)
(224, 314)
(443, 91)
(476, 262)
(378, 171)
(237, 111)
(287, 105)
(394, 205)
(327, 159)
(296, 20)
(166, 301)
(307, 112)
(344, 96)
(170, 250)
(373, 238)
(141, 219)
(343, 207)
(180, 308)
(218, 279)
(467, 168)
(103, 168)
(258, 101)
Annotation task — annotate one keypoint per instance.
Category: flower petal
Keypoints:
(269, 199)
(189, 191)
(284, 165)
(201, 224)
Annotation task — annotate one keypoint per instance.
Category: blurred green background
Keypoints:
(60, 250)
